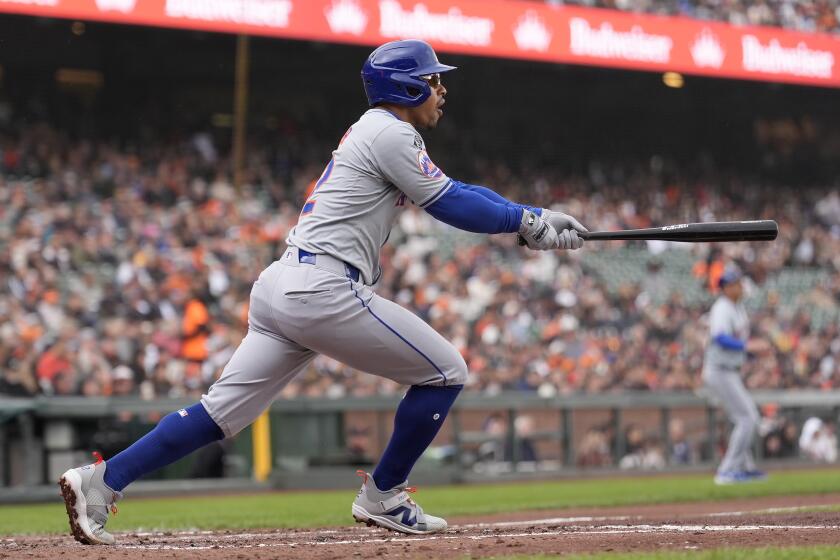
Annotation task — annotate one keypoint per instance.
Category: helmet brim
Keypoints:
(437, 68)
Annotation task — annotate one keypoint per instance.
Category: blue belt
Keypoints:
(309, 258)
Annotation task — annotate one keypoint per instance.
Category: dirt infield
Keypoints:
(756, 522)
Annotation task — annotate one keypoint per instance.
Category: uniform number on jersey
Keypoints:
(310, 204)
(325, 175)
(308, 207)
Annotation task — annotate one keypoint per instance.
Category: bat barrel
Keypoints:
(706, 232)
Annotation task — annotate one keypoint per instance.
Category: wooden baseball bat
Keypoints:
(753, 230)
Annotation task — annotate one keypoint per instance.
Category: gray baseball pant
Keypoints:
(299, 310)
(728, 388)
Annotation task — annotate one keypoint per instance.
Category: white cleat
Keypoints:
(393, 509)
(732, 477)
(88, 500)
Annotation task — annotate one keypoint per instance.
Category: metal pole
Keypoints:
(33, 476)
(836, 423)
(381, 437)
(240, 108)
(4, 465)
(513, 439)
(261, 446)
(711, 423)
(568, 438)
(664, 427)
(455, 417)
(620, 445)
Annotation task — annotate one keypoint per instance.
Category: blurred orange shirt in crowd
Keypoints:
(712, 272)
(51, 364)
(196, 317)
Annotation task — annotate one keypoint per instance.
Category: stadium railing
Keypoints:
(40, 437)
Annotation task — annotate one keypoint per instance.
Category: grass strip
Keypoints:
(332, 508)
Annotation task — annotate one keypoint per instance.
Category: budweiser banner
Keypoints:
(526, 30)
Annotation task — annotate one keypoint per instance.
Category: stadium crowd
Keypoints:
(801, 15)
(126, 271)
(126, 265)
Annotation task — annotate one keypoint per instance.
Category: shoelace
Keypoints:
(98, 456)
(410, 489)
(363, 475)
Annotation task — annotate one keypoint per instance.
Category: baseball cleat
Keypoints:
(735, 477)
(88, 501)
(756, 475)
(393, 509)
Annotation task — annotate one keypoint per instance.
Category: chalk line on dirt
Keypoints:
(566, 531)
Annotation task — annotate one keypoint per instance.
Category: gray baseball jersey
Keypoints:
(379, 163)
(729, 318)
(311, 302)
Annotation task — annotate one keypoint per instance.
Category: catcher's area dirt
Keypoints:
(757, 522)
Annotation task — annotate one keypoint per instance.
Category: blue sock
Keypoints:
(419, 417)
(176, 435)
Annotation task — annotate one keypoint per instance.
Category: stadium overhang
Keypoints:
(495, 28)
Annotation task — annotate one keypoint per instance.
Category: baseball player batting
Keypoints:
(320, 297)
(729, 330)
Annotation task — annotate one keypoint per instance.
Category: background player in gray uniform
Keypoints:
(729, 331)
(319, 297)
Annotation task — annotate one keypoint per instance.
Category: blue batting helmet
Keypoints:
(729, 276)
(391, 74)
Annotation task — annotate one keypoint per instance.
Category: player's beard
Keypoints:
(435, 114)
(431, 111)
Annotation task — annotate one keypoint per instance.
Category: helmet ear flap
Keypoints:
(413, 91)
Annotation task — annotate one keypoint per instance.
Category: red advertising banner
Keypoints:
(500, 28)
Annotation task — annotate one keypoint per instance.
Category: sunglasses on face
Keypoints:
(433, 80)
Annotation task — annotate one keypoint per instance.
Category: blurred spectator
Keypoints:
(818, 441)
(122, 381)
(359, 445)
(526, 448)
(642, 452)
(495, 429)
(18, 379)
(498, 448)
(781, 441)
(594, 449)
(803, 15)
(681, 451)
(777, 432)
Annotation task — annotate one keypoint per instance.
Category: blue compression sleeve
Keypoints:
(730, 342)
(495, 197)
(469, 210)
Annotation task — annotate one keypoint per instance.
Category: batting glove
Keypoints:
(567, 228)
(537, 233)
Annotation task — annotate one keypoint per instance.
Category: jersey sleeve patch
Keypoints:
(427, 166)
